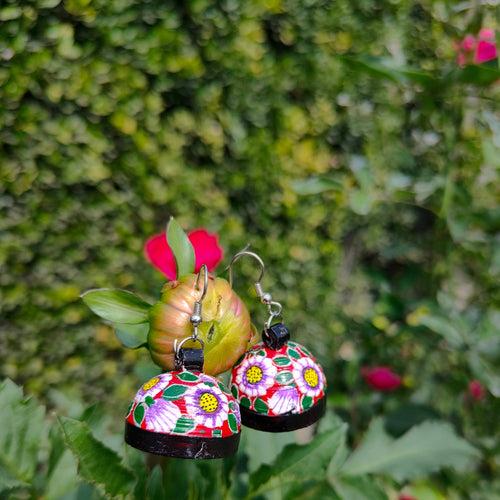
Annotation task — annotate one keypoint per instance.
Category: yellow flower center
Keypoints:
(254, 375)
(150, 383)
(208, 402)
(311, 377)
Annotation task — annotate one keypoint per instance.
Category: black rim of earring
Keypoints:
(176, 446)
(283, 423)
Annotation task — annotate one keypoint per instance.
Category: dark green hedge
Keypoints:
(368, 190)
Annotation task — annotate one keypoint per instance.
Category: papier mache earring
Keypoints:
(279, 385)
(185, 413)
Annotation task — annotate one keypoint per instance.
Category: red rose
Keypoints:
(206, 251)
(381, 378)
(476, 390)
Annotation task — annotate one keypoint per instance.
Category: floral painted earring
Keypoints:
(185, 413)
(278, 383)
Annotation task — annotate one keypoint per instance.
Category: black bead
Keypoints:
(276, 336)
(189, 359)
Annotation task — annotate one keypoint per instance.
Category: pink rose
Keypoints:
(485, 51)
(206, 251)
(381, 378)
(468, 43)
(477, 50)
(487, 34)
(476, 390)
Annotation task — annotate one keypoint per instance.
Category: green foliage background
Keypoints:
(368, 186)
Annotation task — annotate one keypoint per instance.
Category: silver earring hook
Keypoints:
(203, 268)
(195, 317)
(273, 307)
(240, 254)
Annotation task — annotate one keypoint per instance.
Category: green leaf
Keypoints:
(408, 415)
(310, 490)
(154, 488)
(64, 477)
(184, 425)
(263, 447)
(188, 377)
(298, 462)
(96, 463)
(284, 378)
(139, 412)
(478, 74)
(245, 402)
(423, 449)
(174, 391)
(293, 353)
(315, 185)
(306, 402)
(233, 423)
(361, 201)
(486, 371)
(445, 328)
(386, 69)
(260, 406)
(132, 336)
(281, 361)
(117, 306)
(22, 433)
(358, 488)
(181, 248)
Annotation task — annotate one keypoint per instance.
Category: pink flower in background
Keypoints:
(468, 43)
(206, 251)
(486, 49)
(381, 378)
(476, 390)
(477, 50)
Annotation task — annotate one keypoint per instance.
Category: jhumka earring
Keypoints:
(278, 383)
(185, 413)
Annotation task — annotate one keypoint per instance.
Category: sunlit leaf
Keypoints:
(118, 306)
(181, 247)
(425, 448)
(298, 462)
(22, 434)
(96, 463)
(132, 336)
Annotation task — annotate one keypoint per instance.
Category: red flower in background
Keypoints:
(406, 496)
(381, 378)
(206, 251)
(477, 50)
(476, 390)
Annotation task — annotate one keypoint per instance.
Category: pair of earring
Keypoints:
(276, 386)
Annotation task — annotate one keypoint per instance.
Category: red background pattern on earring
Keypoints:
(277, 382)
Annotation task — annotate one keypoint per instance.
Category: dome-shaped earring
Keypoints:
(185, 413)
(278, 383)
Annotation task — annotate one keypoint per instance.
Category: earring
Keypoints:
(278, 383)
(185, 413)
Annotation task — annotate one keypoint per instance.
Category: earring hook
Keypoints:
(240, 254)
(273, 307)
(203, 268)
(195, 317)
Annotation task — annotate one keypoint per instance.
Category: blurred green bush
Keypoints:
(369, 186)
